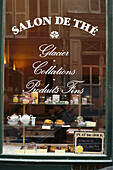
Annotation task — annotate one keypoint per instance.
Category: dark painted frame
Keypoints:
(107, 159)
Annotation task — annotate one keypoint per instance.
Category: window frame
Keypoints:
(109, 109)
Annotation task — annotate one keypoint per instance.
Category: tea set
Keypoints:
(25, 119)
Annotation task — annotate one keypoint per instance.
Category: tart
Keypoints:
(53, 148)
(42, 147)
(22, 147)
(64, 148)
(71, 148)
(48, 121)
(30, 147)
(59, 122)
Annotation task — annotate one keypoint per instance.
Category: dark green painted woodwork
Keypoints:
(109, 103)
(35, 167)
(2, 11)
(109, 78)
(52, 166)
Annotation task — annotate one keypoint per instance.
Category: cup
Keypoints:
(33, 119)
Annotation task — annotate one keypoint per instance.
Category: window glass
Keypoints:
(54, 77)
(33, 9)
(94, 5)
(20, 5)
(54, 6)
(9, 5)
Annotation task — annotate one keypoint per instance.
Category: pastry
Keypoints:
(22, 147)
(42, 147)
(64, 148)
(53, 148)
(71, 148)
(48, 121)
(30, 147)
(59, 122)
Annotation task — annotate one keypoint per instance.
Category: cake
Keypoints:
(42, 147)
(64, 148)
(53, 148)
(59, 122)
(71, 148)
(48, 121)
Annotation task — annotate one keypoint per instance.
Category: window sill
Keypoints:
(55, 160)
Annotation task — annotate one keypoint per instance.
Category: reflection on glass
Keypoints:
(54, 72)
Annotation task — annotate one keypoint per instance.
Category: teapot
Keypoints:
(13, 119)
(25, 119)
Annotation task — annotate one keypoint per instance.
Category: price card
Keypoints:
(60, 151)
(41, 150)
(46, 127)
(66, 126)
(17, 151)
(30, 151)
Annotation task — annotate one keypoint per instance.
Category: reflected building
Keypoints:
(87, 53)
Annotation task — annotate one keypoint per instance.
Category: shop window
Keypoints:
(54, 86)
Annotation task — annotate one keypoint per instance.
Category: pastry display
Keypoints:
(59, 122)
(53, 148)
(48, 121)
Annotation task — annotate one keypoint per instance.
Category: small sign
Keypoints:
(18, 151)
(46, 127)
(92, 142)
(41, 150)
(60, 151)
(66, 126)
(30, 151)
